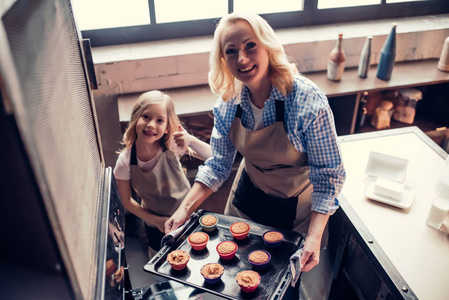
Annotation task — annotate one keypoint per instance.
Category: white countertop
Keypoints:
(420, 253)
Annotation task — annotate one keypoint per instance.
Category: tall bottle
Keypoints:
(443, 63)
(365, 58)
(361, 113)
(387, 56)
(337, 60)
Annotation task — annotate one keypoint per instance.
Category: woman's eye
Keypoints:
(230, 51)
(251, 45)
(145, 117)
(160, 121)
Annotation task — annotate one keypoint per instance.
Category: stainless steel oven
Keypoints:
(62, 224)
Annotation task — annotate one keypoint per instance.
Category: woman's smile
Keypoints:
(247, 70)
(246, 58)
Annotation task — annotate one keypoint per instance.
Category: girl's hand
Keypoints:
(182, 138)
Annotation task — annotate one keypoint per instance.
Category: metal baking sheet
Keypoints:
(274, 279)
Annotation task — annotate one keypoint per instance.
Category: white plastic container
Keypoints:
(386, 166)
(385, 183)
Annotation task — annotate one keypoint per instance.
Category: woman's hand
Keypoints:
(312, 246)
(177, 219)
(311, 254)
(191, 202)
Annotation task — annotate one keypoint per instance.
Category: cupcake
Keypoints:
(178, 259)
(248, 280)
(259, 259)
(227, 250)
(208, 222)
(239, 230)
(212, 272)
(272, 238)
(198, 240)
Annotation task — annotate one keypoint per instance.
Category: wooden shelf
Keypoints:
(421, 122)
(405, 74)
(188, 101)
(343, 95)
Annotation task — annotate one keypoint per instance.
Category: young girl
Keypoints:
(149, 163)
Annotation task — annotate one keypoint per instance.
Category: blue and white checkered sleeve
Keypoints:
(327, 173)
(218, 167)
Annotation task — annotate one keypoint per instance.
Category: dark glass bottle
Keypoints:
(387, 56)
(361, 113)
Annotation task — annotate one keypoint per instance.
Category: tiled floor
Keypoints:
(137, 257)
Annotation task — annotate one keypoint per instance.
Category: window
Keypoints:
(112, 22)
(188, 10)
(100, 14)
(323, 4)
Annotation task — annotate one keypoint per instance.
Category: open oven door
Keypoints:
(62, 223)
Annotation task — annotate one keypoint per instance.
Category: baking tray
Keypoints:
(274, 279)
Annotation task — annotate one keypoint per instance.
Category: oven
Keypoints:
(62, 224)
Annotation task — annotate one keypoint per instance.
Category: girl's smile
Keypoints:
(152, 124)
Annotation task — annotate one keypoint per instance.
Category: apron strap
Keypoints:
(280, 112)
(133, 158)
(238, 112)
(279, 105)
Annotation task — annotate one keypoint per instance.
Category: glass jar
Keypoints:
(382, 115)
(405, 105)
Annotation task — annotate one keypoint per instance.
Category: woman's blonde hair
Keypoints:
(281, 70)
(142, 103)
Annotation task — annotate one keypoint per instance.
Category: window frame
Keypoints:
(308, 17)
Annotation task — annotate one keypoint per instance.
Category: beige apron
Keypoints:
(161, 189)
(275, 168)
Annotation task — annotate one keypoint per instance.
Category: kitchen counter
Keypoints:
(397, 241)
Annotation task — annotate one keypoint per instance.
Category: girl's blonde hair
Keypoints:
(281, 70)
(142, 103)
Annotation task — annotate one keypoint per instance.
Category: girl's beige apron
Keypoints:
(271, 185)
(162, 189)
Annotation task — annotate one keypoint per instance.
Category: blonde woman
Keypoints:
(282, 124)
(154, 141)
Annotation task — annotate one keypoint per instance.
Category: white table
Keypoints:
(418, 252)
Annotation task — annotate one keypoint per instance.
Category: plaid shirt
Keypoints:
(310, 128)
